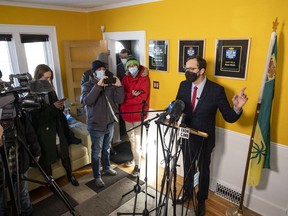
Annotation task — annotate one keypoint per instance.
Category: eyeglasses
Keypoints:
(190, 69)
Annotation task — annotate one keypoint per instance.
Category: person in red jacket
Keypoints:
(137, 92)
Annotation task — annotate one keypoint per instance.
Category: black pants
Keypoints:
(197, 156)
(65, 162)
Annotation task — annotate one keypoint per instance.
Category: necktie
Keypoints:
(194, 98)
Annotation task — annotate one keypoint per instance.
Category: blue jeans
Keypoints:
(101, 143)
(26, 207)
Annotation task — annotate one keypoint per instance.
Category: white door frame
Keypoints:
(111, 37)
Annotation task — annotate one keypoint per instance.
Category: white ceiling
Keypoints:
(75, 5)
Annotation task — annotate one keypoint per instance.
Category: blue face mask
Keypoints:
(100, 74)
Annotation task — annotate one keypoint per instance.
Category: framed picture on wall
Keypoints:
(231, 58)
(158, 55)
(189, 48)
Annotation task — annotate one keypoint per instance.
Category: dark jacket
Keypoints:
(27, 137)
(203, 118)
(98, 114)
(26, 142)
(47, 123)
(86, 76)
(121, 71)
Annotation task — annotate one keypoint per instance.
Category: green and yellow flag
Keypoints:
(260, 152)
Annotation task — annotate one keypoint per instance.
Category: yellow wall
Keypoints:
(69, 26)
(183, 19)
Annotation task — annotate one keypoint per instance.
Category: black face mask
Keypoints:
(191, 77)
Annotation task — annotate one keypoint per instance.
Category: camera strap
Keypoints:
(110, 107)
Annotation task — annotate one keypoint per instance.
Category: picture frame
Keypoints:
(158, 55)
(231, 58)
(188, 48)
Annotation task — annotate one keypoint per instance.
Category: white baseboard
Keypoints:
(228, 166)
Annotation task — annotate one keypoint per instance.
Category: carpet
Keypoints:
(52, 205)
(107, 201)
(124, 153)
(87, 199)
(109, 180)
(110, 202)
(149, 204)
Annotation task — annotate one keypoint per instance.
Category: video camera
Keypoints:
(28, 95)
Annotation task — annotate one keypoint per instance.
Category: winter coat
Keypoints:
(135, 103)
(98, 113)
(47, 123)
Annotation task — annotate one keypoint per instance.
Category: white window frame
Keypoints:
(17, 51)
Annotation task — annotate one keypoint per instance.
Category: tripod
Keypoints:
(137, 188)
(15, 125)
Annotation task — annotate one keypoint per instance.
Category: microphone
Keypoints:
(40, 86)
(176, 111)
(162, 116)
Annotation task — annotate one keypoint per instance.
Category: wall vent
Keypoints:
(228, 194)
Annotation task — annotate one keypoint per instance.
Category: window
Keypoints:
(36, 49)
(23, 47)
(5, 63)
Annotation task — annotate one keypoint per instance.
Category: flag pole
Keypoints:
(239, 211)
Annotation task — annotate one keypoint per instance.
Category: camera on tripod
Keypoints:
(28, 95)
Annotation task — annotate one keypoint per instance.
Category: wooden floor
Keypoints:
(215, 205)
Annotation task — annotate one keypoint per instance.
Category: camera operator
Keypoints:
(25, 136)
(48, 123)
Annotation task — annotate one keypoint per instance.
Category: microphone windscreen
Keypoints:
(169, 108)
(177, 109)
(40, 86)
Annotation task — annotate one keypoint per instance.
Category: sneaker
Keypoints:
(99, 182)
(135, 171)
(111, 171)
(129, 163)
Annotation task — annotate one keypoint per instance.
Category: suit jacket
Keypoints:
(121, 71)
(203, 118)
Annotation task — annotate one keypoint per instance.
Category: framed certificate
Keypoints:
(188, 48)
(231, 58)
(158, 55)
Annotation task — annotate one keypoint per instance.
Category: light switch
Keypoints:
(156, 84)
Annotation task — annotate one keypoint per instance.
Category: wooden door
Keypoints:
(78, 56)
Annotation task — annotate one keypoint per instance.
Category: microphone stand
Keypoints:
(170, 171)
(137, 188)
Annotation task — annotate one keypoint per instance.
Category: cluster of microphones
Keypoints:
(174, 111)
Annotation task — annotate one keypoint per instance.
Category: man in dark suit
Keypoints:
(201, 105)
(121, 69)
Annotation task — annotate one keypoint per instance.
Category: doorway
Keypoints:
(137, 45)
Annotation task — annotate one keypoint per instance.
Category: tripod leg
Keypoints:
(50, 180)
